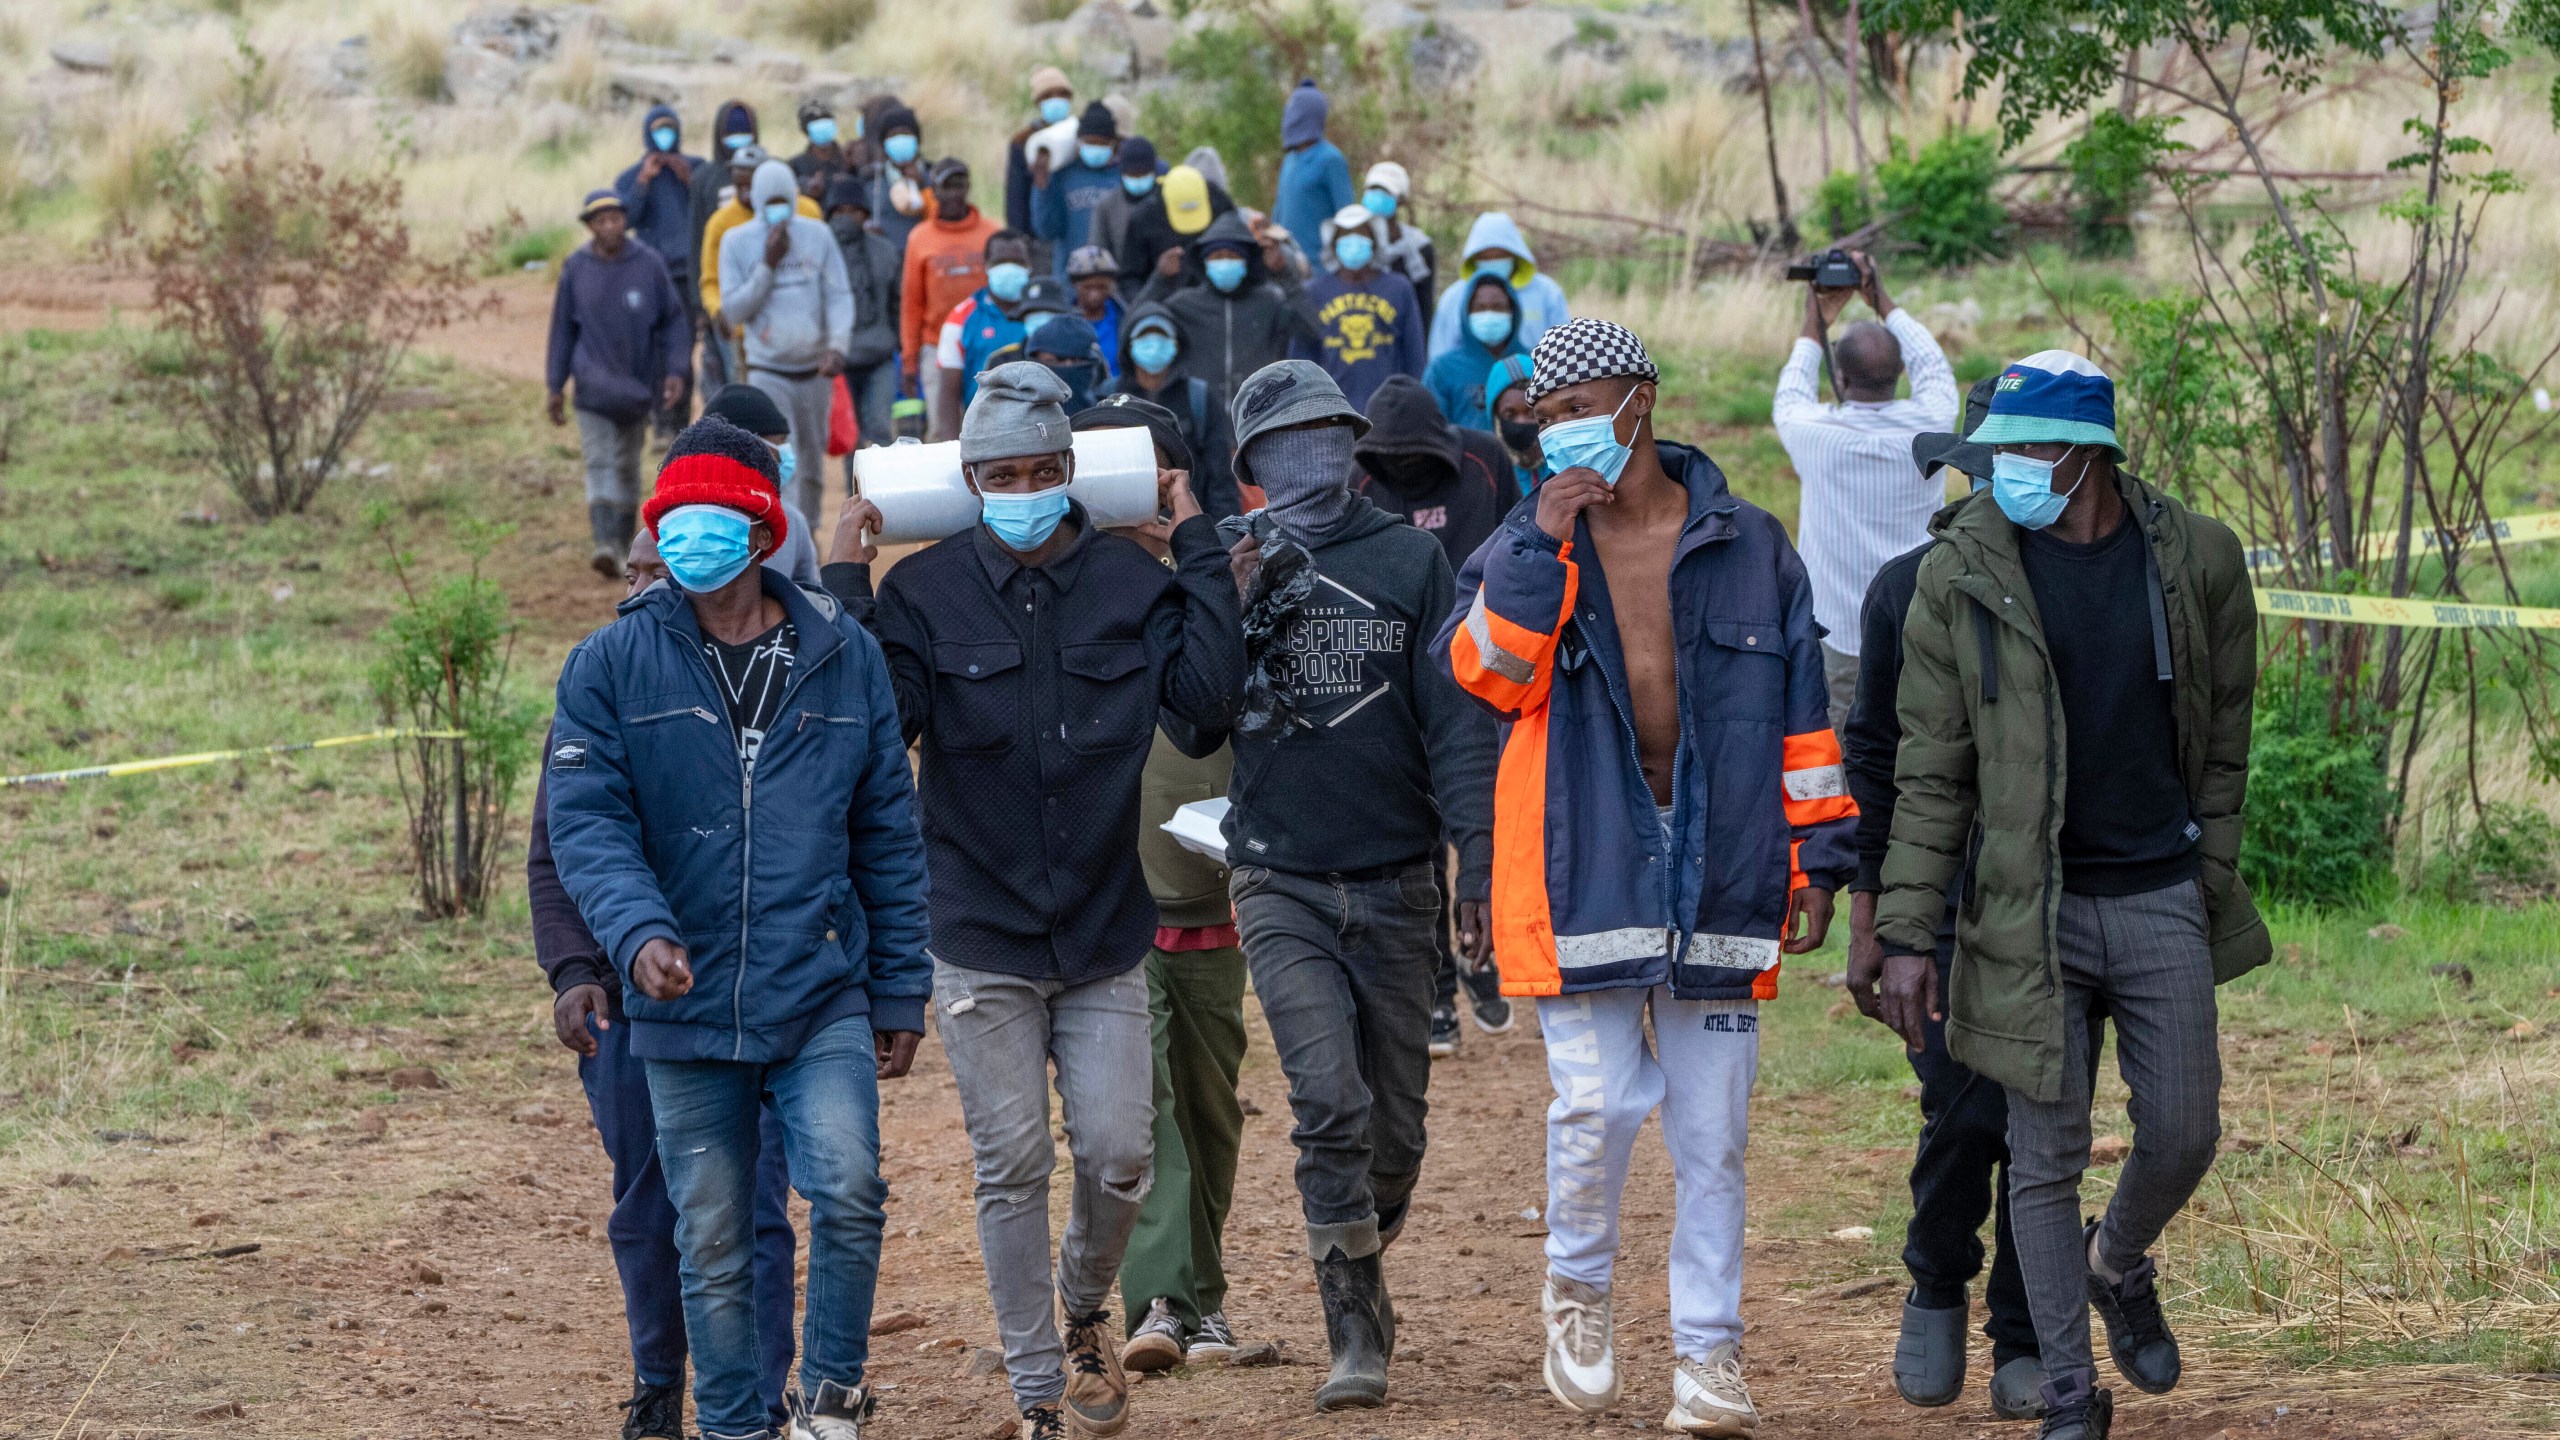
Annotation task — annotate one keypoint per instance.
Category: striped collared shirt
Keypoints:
(1863, 500)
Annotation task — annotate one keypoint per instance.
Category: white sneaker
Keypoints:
(834, 1413)
(1214, 1343)
(1582, 1359)
(1709, 1398)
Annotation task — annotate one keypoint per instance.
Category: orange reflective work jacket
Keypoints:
(1594, 888)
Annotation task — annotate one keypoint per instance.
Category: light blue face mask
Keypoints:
(1500, 269)
(1055, 109)
(705, 546)
(1378, 202)
(1590, 444)
(787, 455)
(1137, 185)
(901, 149)
(2022, 486)
(1226, 272)
(822, 131)
(1095, 157)
(1005, 280)
(1023, 522)
(777, 212)
(664, 137)
(1154, 351)
(1355, 251)
(1490, 327)
(739, 141)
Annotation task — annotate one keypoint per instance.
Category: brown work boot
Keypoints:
(1097, 1398)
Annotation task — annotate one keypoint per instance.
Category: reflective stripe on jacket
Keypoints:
(1586, 896)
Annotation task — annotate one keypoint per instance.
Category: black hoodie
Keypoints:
(1441, 479)
(1384, 759)
(734, 118)
(1226, 337)
(1150, 233)
(1195, 406)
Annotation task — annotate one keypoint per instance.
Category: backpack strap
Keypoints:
(1986, 635)
(1197, 390)
(2162, 671)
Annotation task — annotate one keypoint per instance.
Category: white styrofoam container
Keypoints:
(922, 497)
(1199, 826)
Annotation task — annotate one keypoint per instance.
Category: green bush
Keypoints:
(517, 247)
(2111, 166)
(2509, 847)
(1231, 77)
(2320, 803)
(1839, 208)
(1939, 200)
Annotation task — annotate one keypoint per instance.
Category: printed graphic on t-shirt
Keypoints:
(1357, 326)
(752, 677)
(1429, 517)
(1329, 645)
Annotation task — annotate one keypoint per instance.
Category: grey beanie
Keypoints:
(1020, 409)
(1285, 393)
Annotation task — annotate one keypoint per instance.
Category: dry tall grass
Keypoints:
(408, 51)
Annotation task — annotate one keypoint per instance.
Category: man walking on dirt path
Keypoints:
(783, 288)
(733, 128)
(658, 193)
(1862, 502)
(771, 936)
(618, 329)
(2079, 663)
(1959, 1171)
(1033, 655)
(1356, 763)
(1636, 597)
(587, 1016)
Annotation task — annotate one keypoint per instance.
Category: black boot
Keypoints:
(1354, 1297)
(654, 1412)
(611, 526)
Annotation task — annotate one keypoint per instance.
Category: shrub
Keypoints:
(514, 247)
(2320, 803)
(2508, 847)
(408, 57)
(824, 24)
(442, 669)
(2110, 167)
(1839, 208)
(1939, 200)
(1232, 75)
(293, 294)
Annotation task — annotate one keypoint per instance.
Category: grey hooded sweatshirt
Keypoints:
(792, 313)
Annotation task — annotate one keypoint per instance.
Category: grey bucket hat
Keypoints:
(1285, 393)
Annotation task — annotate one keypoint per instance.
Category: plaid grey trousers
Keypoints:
(2142, 962)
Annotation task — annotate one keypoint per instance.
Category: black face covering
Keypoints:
(1081, 376)
(1520, 437)
(1408, 474)
(847, 226)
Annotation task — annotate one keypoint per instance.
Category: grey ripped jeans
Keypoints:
(1002, 1033)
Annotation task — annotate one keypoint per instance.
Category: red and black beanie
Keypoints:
(715, 463)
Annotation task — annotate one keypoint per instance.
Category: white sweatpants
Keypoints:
(1607, 1080)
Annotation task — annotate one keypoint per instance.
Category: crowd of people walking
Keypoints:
(1512, 702)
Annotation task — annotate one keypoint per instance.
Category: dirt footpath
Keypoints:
(440, 1270)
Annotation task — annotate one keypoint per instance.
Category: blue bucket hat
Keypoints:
(2051, 397)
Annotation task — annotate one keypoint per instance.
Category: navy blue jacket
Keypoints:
(1586, 895)
(618, 327)
(662, 211)
(798, 891)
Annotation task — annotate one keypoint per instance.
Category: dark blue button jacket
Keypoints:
(797, 891)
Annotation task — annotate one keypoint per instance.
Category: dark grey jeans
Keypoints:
(1343, 969)
(2144, 958)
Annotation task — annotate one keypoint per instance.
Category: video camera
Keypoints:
(1830, 270)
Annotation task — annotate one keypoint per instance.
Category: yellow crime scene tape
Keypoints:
(2415, 611)
(2516, 530)
(210, 757)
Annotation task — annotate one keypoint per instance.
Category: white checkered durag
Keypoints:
(1586, 349)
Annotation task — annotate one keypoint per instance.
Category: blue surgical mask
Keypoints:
(1226, 272)
(1496, 267)
(1380, 203)
(1024, 522)
(1590, 444)
(1137, 185)
(822, 131)
(739, 141)
(1490, 327)
(1005, 280)
(663, 136)
(777, 212)
(1095, 157)
(1354, 251)
(1153, 351)
(787, 455)
(1055, 109)
(901, 149)
(2022, 486)
(705, 546)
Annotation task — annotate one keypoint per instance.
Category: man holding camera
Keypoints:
(1861, 502)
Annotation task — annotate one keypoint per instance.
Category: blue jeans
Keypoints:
(828, 1097)
(643, 1227)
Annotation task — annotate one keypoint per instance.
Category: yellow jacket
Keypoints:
(723, 220)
